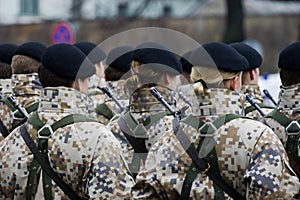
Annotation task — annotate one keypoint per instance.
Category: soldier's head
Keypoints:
(95, 54)
(251, 75)
(118, 63)
(65, 65)
(6, 54)
(154, 64)
(289, 64)
(27, 58)
(218, 65)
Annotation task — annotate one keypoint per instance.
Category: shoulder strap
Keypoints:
(202, 165)
(19, 118)
(103, 109)
(252, 108)
(45, 164)
(3, 129)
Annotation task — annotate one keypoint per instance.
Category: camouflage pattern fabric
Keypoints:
(26, 90)
(255, 93)
(143, 105)
(86, 155)
(289, 105)
(5, 85)
(250, 157)
(117, 88)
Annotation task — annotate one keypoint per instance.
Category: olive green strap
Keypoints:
(252, 108)
(19, 118)
(103, 109)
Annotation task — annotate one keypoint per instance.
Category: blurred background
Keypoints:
(267, 25)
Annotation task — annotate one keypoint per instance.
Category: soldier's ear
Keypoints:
(235, 83)
(76, 84)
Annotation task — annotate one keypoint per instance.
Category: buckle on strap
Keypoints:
(206, 170)
(47, 130)
(294, 124)
(209, 125)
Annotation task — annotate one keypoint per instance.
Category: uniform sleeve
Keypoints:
(108, 177)
(268, 174)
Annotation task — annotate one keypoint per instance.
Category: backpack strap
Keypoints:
(103, 109)
(252, 108)
(208, 165)
(41, 154)
(135, 133)
(292, 129)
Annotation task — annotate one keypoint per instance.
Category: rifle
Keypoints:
(267, 93)
(110, 94)
(255, 105)
(201, 163)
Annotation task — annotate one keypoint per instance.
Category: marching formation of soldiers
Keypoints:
(80, 123)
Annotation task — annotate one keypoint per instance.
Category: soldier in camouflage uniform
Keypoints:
(250, 80)
(247, 154)
(26, 87)
(96, 55)
(288, 104)
(147, 119)
(6, 53)
(85, 155)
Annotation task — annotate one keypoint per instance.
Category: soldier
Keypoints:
(6, 54)
(26, 87)
(118, 64)
(140, 127)
(242, 153)
(96, 55)
(250, 80)
(285, 120)
(83, 153)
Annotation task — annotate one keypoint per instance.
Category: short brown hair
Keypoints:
(5, 70)
(49, 79)
(112, 74)
(24, 65)
(289, 77)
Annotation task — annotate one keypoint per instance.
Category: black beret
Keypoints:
(120, 58)
(185, 61)
(31, 49)
(6, 52)
(67, 61)
(289, 57)
(92, 51)
(220, 55)
(253, 57)
(154, 53)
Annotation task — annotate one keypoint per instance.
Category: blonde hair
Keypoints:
(24, 65)
(210, 76)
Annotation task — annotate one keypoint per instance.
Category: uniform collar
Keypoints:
(289, 97)
(5, 85)
(253, 91)
(117, 88)
(26, 84)
(217, 102)
(143, 101)
(61, 101)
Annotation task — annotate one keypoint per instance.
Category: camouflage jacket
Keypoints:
(5, 90)
(85, 154)
(255, 93)
(289, 105)
(249, 155)
(26, 89)
(143, 106)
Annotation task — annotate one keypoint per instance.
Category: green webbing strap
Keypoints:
(252, 108)
(8, 104)
(211, 157)
(29, 109)
(103, 109)
(44, 133)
